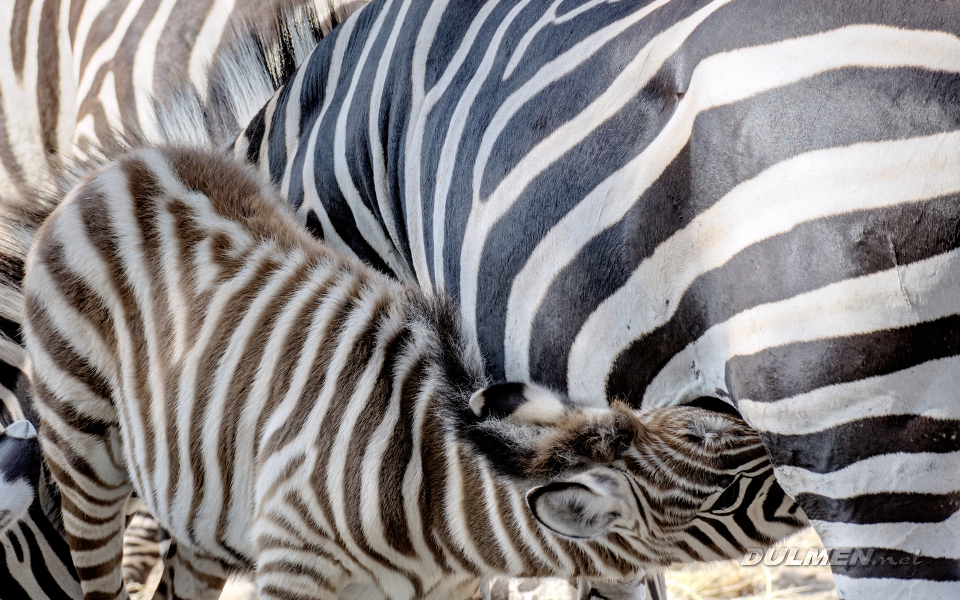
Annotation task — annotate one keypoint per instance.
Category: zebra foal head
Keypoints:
(633, 480)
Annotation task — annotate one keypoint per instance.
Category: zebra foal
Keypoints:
(280, 406)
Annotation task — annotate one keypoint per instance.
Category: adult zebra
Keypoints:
(109, 108)
(660, 201)
(79, 75)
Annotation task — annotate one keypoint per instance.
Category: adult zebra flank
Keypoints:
(80, 75)
(281, 406)
(129, 50)
(659, 201)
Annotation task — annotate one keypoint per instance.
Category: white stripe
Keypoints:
(375, 456)
(320, 321)
(187, 384)
(206, 43)
(550, 18)
(311, 197)
(929, 539)
(293, 133)
(418, 109)
(495, 516)
(718, 80)
(20, 105)
(67, 117)
(220, 399)
(106, 51)
(918, 292)
(455, 502)
(366, 222)
(12, 353)
(928, 389)
(485, 214)
(91, 10)
(143, 63)
(925, 473)
(252, 412)
(12, 404)
(851, 588)
(291, 129)
(446, 163)
(382, 196)
(340, 461)
(857, 177)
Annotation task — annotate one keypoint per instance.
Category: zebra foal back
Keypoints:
(282, 407)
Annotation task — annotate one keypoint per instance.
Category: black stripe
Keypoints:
(254, 134)
(866, 509)
(809, 256)
(11, 329)
(331, 197)
(7, 582)
(277, 142)
(9, 375)
(801, 367)
(47, 583)
(831, 449)
(729, 144)
(893, 564)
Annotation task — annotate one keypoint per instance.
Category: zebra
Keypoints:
(744, 200)
(76, 77)
(115, 106)
(282, 406)
(20, 467)
(75, 81)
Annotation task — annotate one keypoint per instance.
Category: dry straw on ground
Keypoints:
(730, 580)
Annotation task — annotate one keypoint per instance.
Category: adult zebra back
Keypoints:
(282, 406)
(746, 199)
(75, 74)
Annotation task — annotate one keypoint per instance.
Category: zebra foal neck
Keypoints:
(281, 406)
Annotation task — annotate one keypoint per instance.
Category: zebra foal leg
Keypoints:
(190, 575)
(94, 488)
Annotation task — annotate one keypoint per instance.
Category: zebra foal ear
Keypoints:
(19, 471)
(522, 402)
(582, 508)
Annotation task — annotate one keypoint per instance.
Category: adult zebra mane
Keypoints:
(259, 56)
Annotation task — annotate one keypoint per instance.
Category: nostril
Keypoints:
(725, 481)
